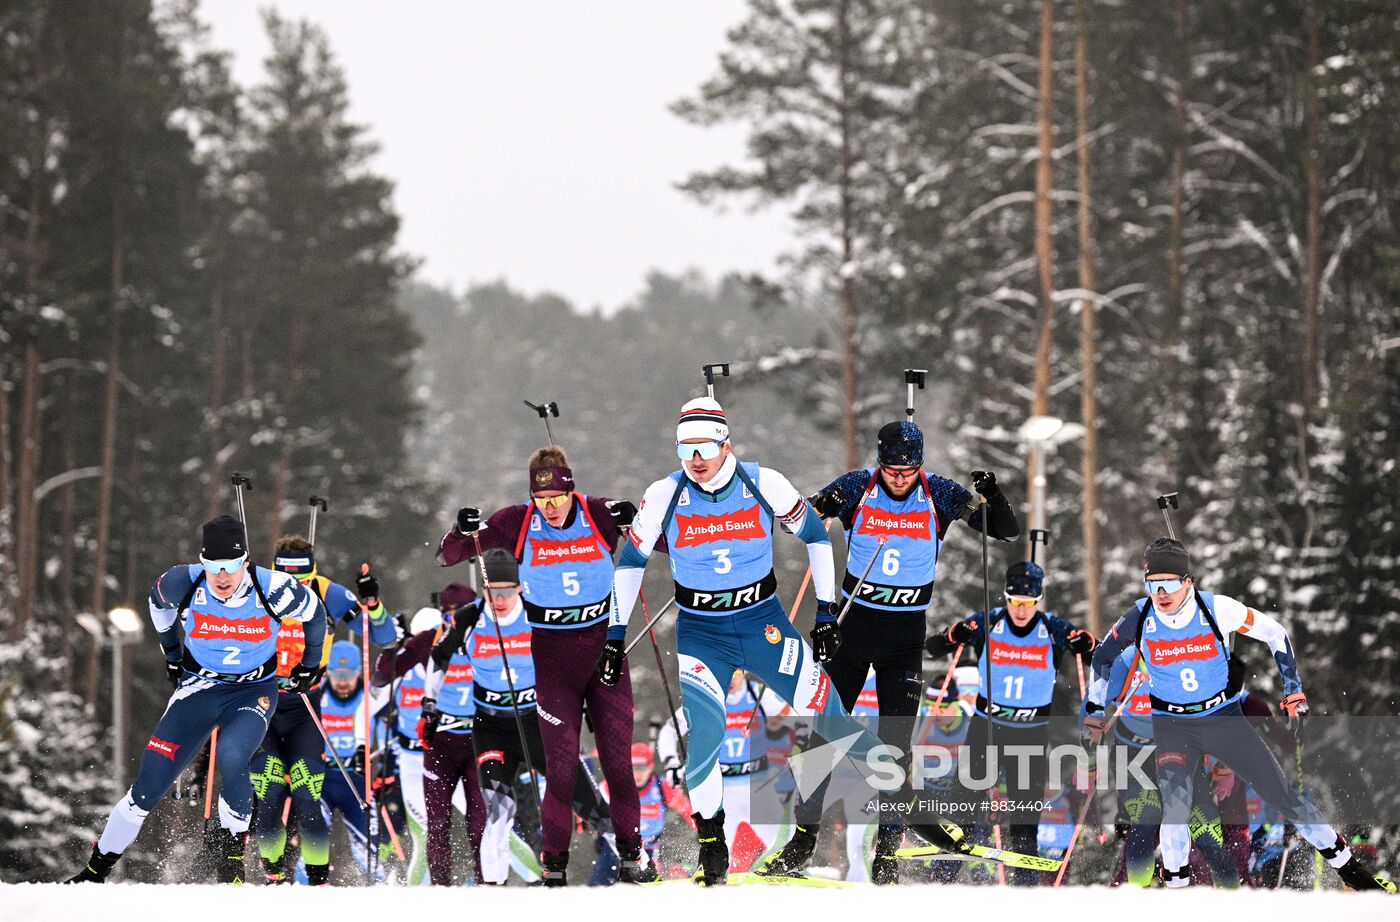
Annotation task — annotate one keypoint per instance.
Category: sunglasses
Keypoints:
(345, 675)
(551, 502)
(899, 471)
(1155, 586)
(1022, 601)
(708, 451)
(505, 592)
(223, 566)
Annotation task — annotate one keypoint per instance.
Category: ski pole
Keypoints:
(209, 778)
(393, 833)
(987, 623)
(1122, 701)
(545, 411)
(371, 816)
(913, 378)
(661, 668)
(860, 584)
(510, 679)
(1039, 536)
(947, 679)
(801, 591)
(654, 618)
(1165, 502)
(316, 502)
(330, 749)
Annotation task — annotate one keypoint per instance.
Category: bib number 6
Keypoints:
(889, 562)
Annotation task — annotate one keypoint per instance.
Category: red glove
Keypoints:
(1296, 707)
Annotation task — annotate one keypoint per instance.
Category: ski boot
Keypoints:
(636, 864)
(714, 852)
(97, 869)
(555, 869)
(317, 875)
(792, 857)
(1358, 876)
(884, 867)
(227, 854)
(947, 836)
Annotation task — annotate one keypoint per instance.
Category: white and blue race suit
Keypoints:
(720, 541)
(229, 683)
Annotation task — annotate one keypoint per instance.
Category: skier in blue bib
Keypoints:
(1025, 650)
(1181, 634)
(224, 676)
(718, 517)
(343, 716)
(896, 516)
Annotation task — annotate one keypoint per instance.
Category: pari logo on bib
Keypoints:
(741, 525)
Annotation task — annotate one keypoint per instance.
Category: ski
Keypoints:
(981, 853)
(797, 880)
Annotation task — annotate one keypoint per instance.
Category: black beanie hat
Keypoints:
(1166, 555)
(222, 539)
(501, 567)
(900, 444)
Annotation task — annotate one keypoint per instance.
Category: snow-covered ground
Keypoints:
(116, 902)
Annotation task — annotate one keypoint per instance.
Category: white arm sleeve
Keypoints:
(642, 538)
(667, 740)
(1233, 615)
(793, 511)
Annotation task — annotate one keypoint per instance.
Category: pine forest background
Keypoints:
(1173, 223)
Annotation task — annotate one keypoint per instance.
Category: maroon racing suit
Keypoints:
(566, 645)
(450, 761)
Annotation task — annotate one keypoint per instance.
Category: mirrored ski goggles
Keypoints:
(343, 675)
(223, 566)
(1023, 601)
(1155, 586)
(504, 592)
(900, 472)
(708, 451)
(550, 502)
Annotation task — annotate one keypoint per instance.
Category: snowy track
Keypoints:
(119, 902)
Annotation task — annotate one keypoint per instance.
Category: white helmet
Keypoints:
(425, 619)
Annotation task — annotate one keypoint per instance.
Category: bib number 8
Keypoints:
(1189, 682)
(889, 563)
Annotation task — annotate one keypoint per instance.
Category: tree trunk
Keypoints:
(7, 511)
(109, 444)
(1044, 251)
(68, 505)
(130, 591)
(848, 298)
(1088, 347)
(27, 525)
(1176, 308)
(216, 396)
(1312, 291)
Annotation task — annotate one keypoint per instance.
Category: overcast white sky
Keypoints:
(531, 140)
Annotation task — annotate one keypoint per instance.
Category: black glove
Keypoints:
(367, 588)
(174, 672)
(610, 663)
(960, 632)
(470, 613)
(985, 483)
(1081, 642)
(301, 679)
(428, 722)
(623, 512)
(468, 520)
(675, 774)
(828, 505)
(826, 635)
(357, 761)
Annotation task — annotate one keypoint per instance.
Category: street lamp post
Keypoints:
(1041, 435)
(123, 626)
